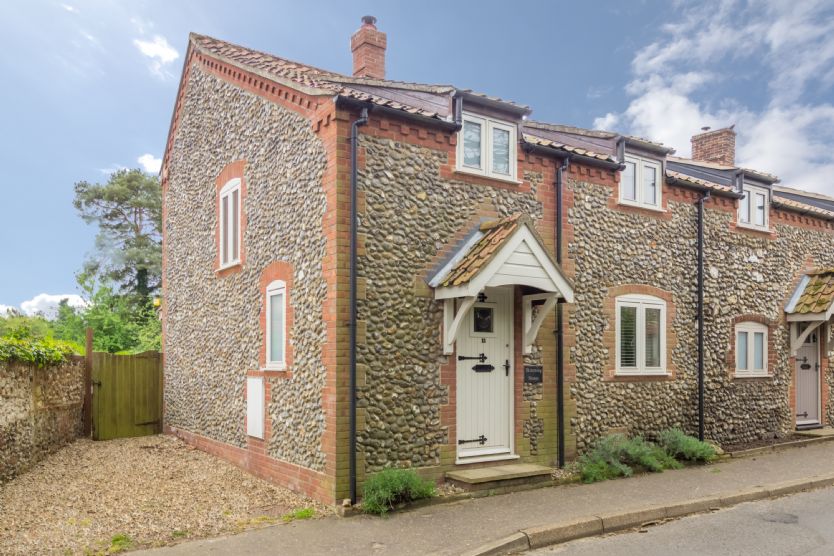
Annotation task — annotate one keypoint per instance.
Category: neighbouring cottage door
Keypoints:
(808, 381)
(484, 377)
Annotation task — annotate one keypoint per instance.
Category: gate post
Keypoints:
(87, 413)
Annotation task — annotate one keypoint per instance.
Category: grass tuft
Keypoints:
(384, 490)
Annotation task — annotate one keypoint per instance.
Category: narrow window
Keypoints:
(760, 209)
(758, 351)
(629, 185)
(471, 144)
(628, 337)
(649, 185)
(744, 208)
(276, 308)
(641, 335)
(501, 151)
(230, 211)
(751, 349)
(741, 352)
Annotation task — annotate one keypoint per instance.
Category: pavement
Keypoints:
(798, 524)
(531, 519)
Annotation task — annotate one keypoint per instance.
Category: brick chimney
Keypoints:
(717, 146)
(368, 47)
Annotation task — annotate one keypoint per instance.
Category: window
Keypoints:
(641, 335)
(487, 147)
(276, 329)
(753, 208)
(640, 183)
(230, 210)
(751, 349)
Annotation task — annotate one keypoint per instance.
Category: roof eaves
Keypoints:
(679, 178)
(493, 101)
(286, 81)
(802, 208)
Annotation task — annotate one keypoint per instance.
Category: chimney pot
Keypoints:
(717, 146)
(368, 46)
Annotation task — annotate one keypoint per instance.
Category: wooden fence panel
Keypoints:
(127, 395)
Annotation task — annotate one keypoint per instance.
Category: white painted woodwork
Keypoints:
(531, 325)
(485, 400)
(808, 380)
(513, 265)
(452, 321)
(255, 406)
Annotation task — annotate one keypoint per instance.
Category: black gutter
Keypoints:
(578, 158)
(393, 112)
(354, 147)
(560, 333)
(701, 202)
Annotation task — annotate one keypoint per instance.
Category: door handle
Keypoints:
(506, 367)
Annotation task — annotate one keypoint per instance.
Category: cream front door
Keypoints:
(808, 381)
(485, 377)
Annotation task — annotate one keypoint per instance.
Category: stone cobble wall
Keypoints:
(745, 274)
(212, 333)
(411, 214)
(40, 411)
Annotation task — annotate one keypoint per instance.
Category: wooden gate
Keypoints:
(127, 395)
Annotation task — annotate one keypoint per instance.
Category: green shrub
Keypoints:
(616, 455)
(390, 487)
(682, 446)
(36, 351)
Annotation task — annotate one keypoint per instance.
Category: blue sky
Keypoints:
(90, 85)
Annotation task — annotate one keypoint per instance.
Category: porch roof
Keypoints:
(814, 297)
(508, 251)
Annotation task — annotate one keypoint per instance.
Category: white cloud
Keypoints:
(69, 8)
(161, 54)
(4, 309)
(47, 304)
(113, 168)
(788, 48)
(150, 163)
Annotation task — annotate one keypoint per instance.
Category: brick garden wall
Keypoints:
(40, 411)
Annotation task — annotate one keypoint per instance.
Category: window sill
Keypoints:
(228, 266)
(747, 377)
(653, 208)
(752, 227)
(504, 179)
(617, 376)
(275, 369)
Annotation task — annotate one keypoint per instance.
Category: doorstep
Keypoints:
(510, 475)
(820, 432)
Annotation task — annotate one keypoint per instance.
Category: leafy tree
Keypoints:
(69, 324)
(16, 324)
(128, 211)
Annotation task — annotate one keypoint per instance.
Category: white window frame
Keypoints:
(487, 126)
(751, 328)
(226, 193)
(750, 192)
(276, 287)
(641, 302)
(640, 164)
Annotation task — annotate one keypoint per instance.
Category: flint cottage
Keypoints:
(361, 273)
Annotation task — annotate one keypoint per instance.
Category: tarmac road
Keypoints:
(798, 524)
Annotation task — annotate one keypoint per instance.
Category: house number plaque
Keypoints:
(533, 374)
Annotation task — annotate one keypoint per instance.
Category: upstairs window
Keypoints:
(276, 327)
(641, 335)
(751, 349)
(640, 183)
(753, 208)
(230, 210)
(487, 147)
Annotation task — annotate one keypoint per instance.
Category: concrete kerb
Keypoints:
(547, 535)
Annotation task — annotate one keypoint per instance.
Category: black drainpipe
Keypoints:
(701, 202)
(560, 337)
(354, 147)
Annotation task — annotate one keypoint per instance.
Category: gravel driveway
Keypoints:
(102, 497)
